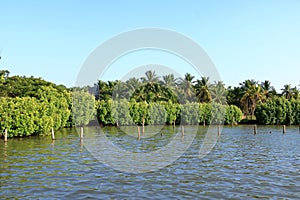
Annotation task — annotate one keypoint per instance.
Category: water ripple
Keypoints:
(241, 166)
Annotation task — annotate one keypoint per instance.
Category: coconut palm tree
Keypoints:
(132, 85)
(287, 91)
(186, 84)
(268, 90)
(234, 96)
(169, 87)
(169, 81)
(139, 94)
(120, 90)
(202, 88)
(218, 92)
(150, 78)
(252, 95)
(150, 90)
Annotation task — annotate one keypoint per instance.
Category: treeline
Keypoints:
(31, 105)
(253, 98)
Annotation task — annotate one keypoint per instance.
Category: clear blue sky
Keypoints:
(246, 39)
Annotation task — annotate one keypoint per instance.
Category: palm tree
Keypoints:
(139, 95)
(150, 89)
(202, 88)
(120, 90)
(132, 84)
(218, 92)
(252, 95)
(150, 78)
(234, 96)
(287, 91)
(186, 85)
(268, 90)
(169, 81)
(257, 97)
(168, 86)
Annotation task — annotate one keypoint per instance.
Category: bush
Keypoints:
(233, 114)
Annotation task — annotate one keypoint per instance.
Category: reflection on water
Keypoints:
(241, 165)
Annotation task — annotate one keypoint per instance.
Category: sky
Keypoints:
(245, 39)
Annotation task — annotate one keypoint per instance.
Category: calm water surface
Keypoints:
(241, 165)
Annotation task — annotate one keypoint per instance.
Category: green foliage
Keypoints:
(218, 93)
(233, 114)
(105, 90)
(203, 90)
(139, 112)
(21, 86)
(83, 107)
(104, 112)
(295, 107)
(32, 106)
(278, 110)
(24, 116)
(123, 112)
(172, 111)
(234, 96)
(190, 113)
(205, 113)
(218, 113)
(120, 112)
(158, 115)
(212, 113)
(56, 104)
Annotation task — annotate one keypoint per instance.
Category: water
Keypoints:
(241, 165)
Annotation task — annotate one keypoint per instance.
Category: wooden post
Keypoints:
(219, 131)
(52, 134)
(182, 130)
(143, 127)
(139, 133)
(81, 143)
(283, 129)
(174, 124)
(5, 135)
(255, 129)
(81, 133)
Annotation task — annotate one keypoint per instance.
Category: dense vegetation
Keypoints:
(31, 105)
(34, 106)
(193, 101)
